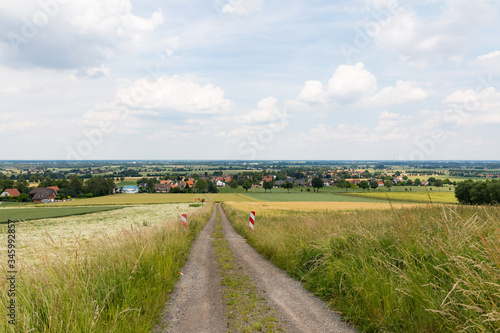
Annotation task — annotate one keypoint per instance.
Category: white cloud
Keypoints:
(491, 60)
(472, 107)
(268, 110)
(403, 92)
(418, 38)
(175, 93)
(312, 92)
(79, 33)
(350, 83)
(354, 84)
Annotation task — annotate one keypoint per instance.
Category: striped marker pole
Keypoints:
(251, 224)
(184, 220)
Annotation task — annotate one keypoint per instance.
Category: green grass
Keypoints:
(120, 284)
(307, 196)
(246, 309)
(26, 214)
(429, 269)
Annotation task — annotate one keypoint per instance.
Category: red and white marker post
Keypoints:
(184, 220)
(251, 223)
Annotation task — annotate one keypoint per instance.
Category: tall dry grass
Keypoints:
(118, 282)
(428, 269)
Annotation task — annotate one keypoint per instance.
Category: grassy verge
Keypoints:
(27, 214)
(429, 269)
(116, 283)
(246, 310)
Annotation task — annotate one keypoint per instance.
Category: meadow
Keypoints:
(106, 272)
(32, 213)
(152, 198)
(428, 268)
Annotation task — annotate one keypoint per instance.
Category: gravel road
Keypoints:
(196, 305)
(302, 311)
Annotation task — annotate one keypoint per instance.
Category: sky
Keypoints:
(250, 80)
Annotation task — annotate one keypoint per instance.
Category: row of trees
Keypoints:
(478, 193)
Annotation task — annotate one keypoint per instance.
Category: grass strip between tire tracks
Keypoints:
(246, 310)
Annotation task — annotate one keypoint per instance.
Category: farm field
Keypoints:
(278, 207)
(435, 197)
(108, 271)
(32, 213)
(152, 198)
(308, 196)
(429, 268)
(67, 230)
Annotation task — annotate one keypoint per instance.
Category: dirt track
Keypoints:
(196, 305)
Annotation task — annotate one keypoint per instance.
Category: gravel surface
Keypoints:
(196, 304)
(302, 311)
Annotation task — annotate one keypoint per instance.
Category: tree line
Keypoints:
(478, 193)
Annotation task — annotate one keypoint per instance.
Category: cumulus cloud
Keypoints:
(51, 34)
(403, 92)
(418, 38)
(174, 94)
(491, 60)
(350, 83)
(354, 84)
(268, 110)
(474, 107)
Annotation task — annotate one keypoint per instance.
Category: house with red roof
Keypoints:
(10, 192)
(55, 188)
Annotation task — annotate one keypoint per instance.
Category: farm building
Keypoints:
(130, 189)
(43, 195)
(10, 192)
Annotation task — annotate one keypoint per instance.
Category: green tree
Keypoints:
(201, 186)
(388, 184)
(211, 187)
(288, 186)
(343, 184)
(233, 184)
(268, 185)
(150, 185)
(247, 185)
(364, 185)
(374, 184)
(317, 183)
(23, 197)
(417, 182)
(76, 184)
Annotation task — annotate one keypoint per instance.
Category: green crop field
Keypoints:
(308, 196)
(431, 196)
(153, 198)
(25, 214)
